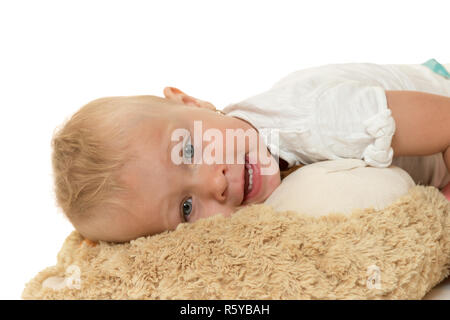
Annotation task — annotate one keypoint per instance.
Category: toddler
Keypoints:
(116, 161)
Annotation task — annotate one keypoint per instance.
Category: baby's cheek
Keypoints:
(224, 211)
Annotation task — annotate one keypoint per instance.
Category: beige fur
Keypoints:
(261, 254)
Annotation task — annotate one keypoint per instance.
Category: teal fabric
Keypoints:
(437, 67)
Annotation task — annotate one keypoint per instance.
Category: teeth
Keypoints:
(250, 178)
(250, 175)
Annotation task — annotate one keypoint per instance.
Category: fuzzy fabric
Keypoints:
(400, 252)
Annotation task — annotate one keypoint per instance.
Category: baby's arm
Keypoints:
(422, 123)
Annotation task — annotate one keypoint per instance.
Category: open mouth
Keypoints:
(248, 177)
(252, 179)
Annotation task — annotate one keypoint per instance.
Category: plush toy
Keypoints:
(335, 230)
(340, 186)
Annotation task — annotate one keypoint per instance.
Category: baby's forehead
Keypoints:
(149, 134)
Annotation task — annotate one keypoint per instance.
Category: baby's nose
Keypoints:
(216, 183)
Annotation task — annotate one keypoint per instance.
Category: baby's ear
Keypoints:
(179, 96)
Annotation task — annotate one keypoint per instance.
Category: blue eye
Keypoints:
(186, 208)
(188, 151)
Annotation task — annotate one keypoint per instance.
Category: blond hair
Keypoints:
(88, 154)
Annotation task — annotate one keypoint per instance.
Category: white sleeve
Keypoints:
(352, 120)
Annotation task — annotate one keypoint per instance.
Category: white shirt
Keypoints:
(335, 111)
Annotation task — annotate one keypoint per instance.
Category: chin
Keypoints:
(272, 184)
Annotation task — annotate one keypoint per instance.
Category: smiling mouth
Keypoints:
(248, 178)
(251, 179)
(244, 179)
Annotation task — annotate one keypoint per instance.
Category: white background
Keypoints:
(56, 56)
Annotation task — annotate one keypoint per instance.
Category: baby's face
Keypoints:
(165, 194)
